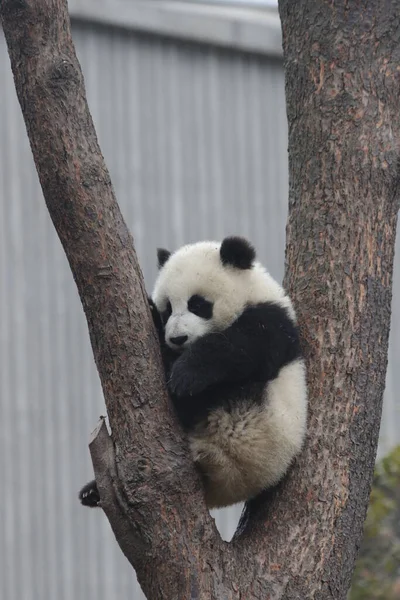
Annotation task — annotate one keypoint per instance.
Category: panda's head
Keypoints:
(205, 287)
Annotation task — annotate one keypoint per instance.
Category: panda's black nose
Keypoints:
(179, 341)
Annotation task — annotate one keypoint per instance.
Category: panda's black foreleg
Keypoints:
(231, 355)
(259, 343)
(156, 319)
(89, 495)
(168, 355)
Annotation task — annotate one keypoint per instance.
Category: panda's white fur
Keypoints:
(197, 269)
(248, 448)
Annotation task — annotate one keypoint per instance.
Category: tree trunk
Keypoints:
(300, 541)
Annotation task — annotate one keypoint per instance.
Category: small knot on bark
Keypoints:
(13, 8)
(63, 77)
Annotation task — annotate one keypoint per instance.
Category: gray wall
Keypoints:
(195, 139)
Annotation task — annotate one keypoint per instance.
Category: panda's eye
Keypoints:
(167, 312)
(200, 306)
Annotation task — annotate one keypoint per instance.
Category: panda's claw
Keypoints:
(89, 495)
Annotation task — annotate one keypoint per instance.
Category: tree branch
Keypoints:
(103, 457)
(153, 468)
(342, 94)
(342, 90)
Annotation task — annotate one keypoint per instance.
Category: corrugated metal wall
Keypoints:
(195, 139)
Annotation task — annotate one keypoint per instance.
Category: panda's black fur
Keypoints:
(232, 357)
(252, 350)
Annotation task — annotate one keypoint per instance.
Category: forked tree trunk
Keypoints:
(342, 78)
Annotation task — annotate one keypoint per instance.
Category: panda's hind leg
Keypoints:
(89, 495)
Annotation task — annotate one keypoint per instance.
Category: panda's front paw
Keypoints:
(89, 495)
(156, 317)
(185, 380)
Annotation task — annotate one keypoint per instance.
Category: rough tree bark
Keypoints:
(342, 74)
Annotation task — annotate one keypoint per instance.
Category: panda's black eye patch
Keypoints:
(200, 306)
(166, 313)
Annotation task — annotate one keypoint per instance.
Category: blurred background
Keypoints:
(188, 102)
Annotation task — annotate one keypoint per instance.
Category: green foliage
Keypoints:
(377, 574)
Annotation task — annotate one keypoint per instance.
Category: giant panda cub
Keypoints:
(233, 364)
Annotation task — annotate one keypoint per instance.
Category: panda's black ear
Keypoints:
(162, 256)
(237, 252)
